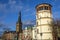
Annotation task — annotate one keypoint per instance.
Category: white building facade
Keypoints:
(34, 33)
(27, 34)
(43, 21)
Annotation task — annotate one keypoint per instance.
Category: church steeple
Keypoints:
(19, 18)
(19, 24)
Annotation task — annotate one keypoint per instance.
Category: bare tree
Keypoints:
(57, 27)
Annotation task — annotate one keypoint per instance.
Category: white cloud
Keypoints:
(3, 11)
(27, 22)
(12, 2)
(9, 7)
(2, 7)
(14, 6)
(28, 9)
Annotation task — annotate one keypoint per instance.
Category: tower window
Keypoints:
(37, 23)
(49, 38)
(37, 31)
(45, 8)
(41, 8)
(35, 36)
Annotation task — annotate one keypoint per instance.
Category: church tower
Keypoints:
(43, 22)
(19, 27)
(19, 24)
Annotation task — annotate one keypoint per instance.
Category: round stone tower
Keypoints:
(43, 21)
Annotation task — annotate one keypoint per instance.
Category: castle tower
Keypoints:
(43, 21)
(19, 28)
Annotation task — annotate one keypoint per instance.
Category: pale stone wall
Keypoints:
(43, 21)
(34, 33)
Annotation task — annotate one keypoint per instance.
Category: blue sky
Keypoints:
(9, 10)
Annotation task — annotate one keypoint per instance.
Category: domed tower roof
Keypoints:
(43, 7)
(44, 4)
